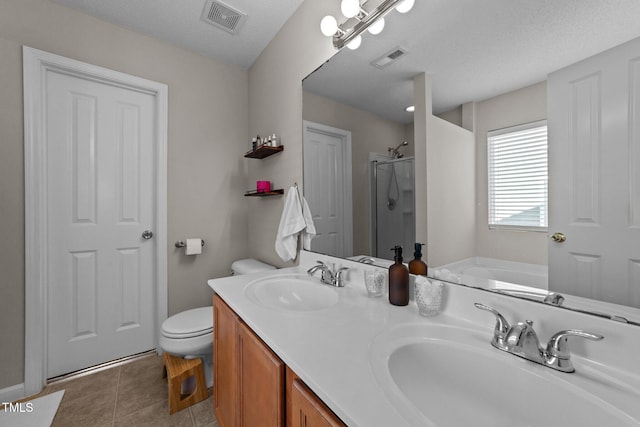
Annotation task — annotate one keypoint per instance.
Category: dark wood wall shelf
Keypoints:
(263, 151)
(254, 193)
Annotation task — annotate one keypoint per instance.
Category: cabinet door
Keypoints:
(304, 409)
(261, 382)
(225, 379)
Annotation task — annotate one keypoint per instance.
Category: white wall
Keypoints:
(208, 120)
(369, 133)
(275, 105)
(525, 105)
(445, 174)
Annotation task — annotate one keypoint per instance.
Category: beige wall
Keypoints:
(275, 105)
(370, 133)
(452, 116)
(525, 105)
(445, 174)
(208, 120)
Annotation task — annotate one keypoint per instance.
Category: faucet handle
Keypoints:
(557, 354)
(501, 328)
(338, 276)
(558, 346)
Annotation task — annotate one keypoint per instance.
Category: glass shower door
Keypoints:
(394, 216)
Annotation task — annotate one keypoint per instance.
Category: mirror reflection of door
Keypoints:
(327, 187)
(594, 146)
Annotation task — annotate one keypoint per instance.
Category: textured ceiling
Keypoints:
(178, 22)
(473, 50)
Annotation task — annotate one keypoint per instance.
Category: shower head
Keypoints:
(395, 152)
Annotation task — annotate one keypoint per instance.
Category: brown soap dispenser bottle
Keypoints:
(416, 265)
(398, 280)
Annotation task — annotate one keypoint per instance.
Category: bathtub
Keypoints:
(528, 281)
(499, 274)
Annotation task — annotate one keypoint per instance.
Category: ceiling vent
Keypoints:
(389, 57)
(223, 16)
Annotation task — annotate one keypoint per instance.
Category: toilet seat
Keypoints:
(189, 324)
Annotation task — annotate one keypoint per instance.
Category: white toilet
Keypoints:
(190, 333)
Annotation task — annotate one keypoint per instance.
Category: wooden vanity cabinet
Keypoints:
(225, 372)
(304, 408)
(249, 381)
(248, 377)
(261, 382)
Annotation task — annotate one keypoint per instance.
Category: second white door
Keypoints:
(327, 187)
(594, 152)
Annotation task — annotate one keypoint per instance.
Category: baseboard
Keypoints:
(11, 394)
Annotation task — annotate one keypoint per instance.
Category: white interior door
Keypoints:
(327, 187)
(594, 175)
(100, 177)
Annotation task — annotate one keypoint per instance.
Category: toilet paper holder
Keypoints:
(182, 243)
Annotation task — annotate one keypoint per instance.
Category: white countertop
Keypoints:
(330, 348)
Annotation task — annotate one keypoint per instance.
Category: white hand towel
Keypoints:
(291, 223)
(310, 231)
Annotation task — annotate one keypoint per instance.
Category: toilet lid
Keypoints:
(190, 323)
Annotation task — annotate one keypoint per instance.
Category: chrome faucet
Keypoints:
(521, 340)
(553, 298)
(328, 276)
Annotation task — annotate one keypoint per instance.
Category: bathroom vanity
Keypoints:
(291, 351)
(254, 386)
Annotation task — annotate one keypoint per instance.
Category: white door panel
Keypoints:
(327, 188)
(594, 157)
(101, 198)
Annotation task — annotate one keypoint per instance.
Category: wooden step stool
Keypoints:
(178, 370)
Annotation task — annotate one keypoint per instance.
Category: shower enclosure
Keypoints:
(392, 206)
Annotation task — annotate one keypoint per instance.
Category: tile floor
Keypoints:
(133, 394)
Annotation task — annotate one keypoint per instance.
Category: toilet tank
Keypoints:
(248, 266)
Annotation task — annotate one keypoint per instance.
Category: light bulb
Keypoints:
(355, 43)
(350, 8)
(328, 25)
(377, 27)
(410, 109)
(405, 6)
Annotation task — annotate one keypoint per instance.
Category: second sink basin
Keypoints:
(292, 292)
(447, 376)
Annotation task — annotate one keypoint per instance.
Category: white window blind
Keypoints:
(518, 182)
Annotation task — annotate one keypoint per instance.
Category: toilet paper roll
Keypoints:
(193, 247)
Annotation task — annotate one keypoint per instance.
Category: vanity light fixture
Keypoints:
(355, 43)
(410, 109)
(376, 27)
(405, 6)
(359, 19)
(350, 8)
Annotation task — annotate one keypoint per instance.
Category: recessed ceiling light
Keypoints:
(410, 109)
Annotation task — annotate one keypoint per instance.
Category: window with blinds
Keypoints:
(518, 183)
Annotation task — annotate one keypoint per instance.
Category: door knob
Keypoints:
(147, 234)
(558, 237)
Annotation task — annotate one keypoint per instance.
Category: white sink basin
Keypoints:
(293, 292)
(447, 376)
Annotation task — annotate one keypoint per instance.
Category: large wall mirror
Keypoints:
(488, 64)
